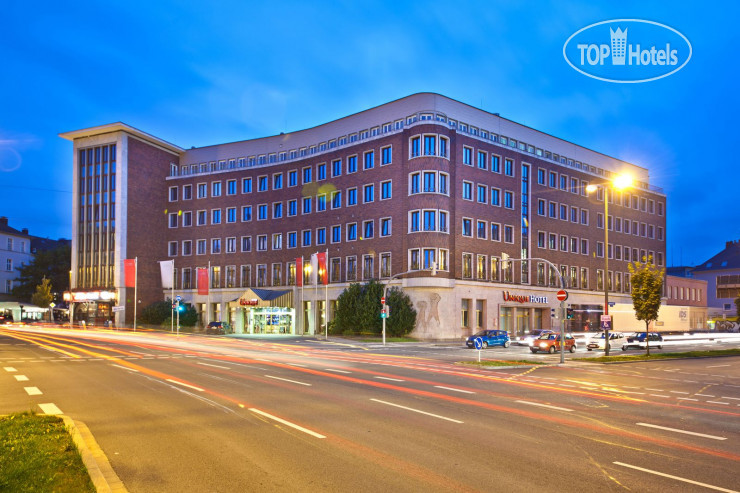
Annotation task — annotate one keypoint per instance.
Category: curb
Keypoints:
(102, 475)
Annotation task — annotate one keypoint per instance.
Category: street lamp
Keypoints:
(620, 182)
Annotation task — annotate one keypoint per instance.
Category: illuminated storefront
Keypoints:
(91, 307)
(263, 311)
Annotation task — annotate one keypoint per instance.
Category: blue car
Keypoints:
(489, 338)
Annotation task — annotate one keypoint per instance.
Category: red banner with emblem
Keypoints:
(323, 274)
(299, 272)
(202, 280)
(129, 272)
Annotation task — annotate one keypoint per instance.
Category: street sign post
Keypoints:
(478, 345)
(562, 295)
(606, 322)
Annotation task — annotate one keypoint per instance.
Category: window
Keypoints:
(216, 245)
(187, 192)
(509, 199)
(563, 212)
(385, 190)
(413, 221)
(584, 217)
(336, 234)
(564, 183)
(351, 268)
(495, 163)
(443, 221)
(352, 232)
(173, 194)
(231, 187)
(246, 185)
(368, 229)
(368, 266)
(307, 175)
(467, 227)
(553, 179)
(482, 160)
(231, 215)
(430, 220)
(336, 270)
(336, 168)
(482, 198)
(415, 147)
(216, 216)
(173, 220)
(563, 243)
(430, 181)
(414, 183)
(385, 226)
(292, 207)
(246, 243)
(307, 205)
(508, 167)
(495, 197)
(321, 236)
(509, 234)
(541, 207)
(293, 178)
(444, 178)
(443, 145)
(495, 232)
(430, 145)
(541, 176)
(262, 212)
(277, 181)
(216, 189)
(172, 248)
(481, 229)
(187, 247)
(200, 247)
(351, 196)
(467, 156)
(352, 164)
(368, 193)
(321, 172)
(292, 239)
(574, 215)
(385, 265)
(336, 199)
(277, 210)
(202, 190)
(321, 202)
(369, 160)
(467, 265)
(467, 190)
(262, 243)
(552, 241)
(306, 238)
(386, 155)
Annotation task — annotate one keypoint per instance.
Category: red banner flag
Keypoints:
(202, 280)
(299, 272)
(323, 274)
(129, 272)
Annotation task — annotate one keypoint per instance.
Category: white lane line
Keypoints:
(545, 405)
(129, 369)
(9, 369)
(32, 390)
(655, 390)
(686, 399)
(337, 371)
(287, 423)
(417, 411)
(690, 481)
(50, 408)
(715, 366)
(717, 402)
(291, 381)
(705, 395)
(679, 392)
(659, 395)
(185, 385)
(21, 378)
(214, 366)
(390, 379)
(265, 360)
(566, 385)
(296, 364)
(681, 431)
(454, 390)
(731, 398)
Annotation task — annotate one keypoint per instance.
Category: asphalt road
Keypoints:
(198, 413)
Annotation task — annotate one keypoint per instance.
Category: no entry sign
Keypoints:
(562, 295)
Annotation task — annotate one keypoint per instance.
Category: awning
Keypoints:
(264, 297)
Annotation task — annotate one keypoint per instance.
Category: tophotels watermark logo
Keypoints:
(627, 51)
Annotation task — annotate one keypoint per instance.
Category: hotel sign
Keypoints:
(523, 298)
(252, 302)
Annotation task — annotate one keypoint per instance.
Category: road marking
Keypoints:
(715, 366)
(50, 408)
(9, 369)
(732, 398)
(214, 366)
(185, 385)
(337, 371)
(417, 411)
(454, 390)
(390, 379)
(291, 381)
(717, 402)
(655, 390)
(32, 390)
(705, 395)
(678, 392)
(544, 405)
(21, 378)
(125, 368)
(296, 364)
(705, 485)
(682, 431)
(658, 395)
(287, 423)
(687, 399)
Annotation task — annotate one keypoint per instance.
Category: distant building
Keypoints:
(15, 251)
(722, 273)
(686, 304)
(39, 244)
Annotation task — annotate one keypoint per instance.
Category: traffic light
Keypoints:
(180, 308)
(569, 313)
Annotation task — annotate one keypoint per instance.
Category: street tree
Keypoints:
(737, 308)
(53, 265)
(358, 310)
(42, 297)
(647, 288)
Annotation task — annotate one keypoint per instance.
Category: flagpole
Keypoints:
(136, 287)
(316, 314)
(303, 283)
(326, 302)
(172, 298)
(208, 296)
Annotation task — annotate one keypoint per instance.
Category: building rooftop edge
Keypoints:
(119, 127)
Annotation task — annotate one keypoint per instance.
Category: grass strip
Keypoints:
(499, 362)
(37, 453)
(658, 356)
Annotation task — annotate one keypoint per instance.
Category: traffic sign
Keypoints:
(118, 308)
(606, 322)
(478, 343)
(178, 298)
(562, 295)
(382, 300)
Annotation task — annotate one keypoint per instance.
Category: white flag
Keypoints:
(167, 269)
(314, 267)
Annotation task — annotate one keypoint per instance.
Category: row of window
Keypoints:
(277, 181)
(485, 230)
(364, 230)
(483, 195)
(20, 244)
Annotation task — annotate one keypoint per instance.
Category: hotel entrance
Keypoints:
(264, 311)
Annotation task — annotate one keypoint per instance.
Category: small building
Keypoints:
(686, 304)
(15, 251)
(722, 274)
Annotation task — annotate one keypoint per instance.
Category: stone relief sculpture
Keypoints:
(423, 319)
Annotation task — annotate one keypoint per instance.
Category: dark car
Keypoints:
(490, 338)
(216, 328)
(550, 343)
(637, 341)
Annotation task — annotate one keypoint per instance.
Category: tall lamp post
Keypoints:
(618, 183)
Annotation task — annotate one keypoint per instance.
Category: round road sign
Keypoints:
(562, 295)
(382, 300)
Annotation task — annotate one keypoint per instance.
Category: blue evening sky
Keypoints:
(201, 73)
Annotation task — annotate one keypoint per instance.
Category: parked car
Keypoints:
(637, 341)
(616, 339)
(216, 328)
(490, 338)
(526, 340)
(550, 343)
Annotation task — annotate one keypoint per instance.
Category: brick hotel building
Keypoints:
(385, 191)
